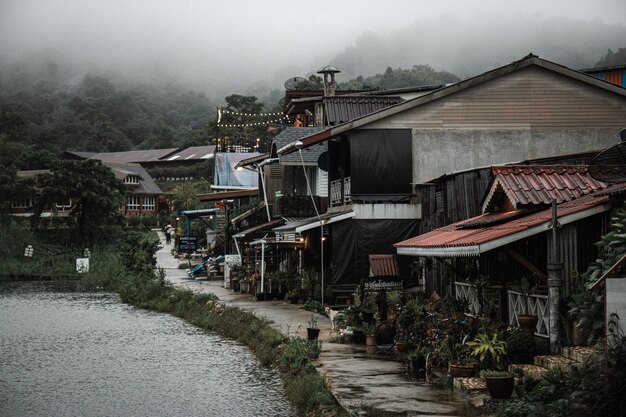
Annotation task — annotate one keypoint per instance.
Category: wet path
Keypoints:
(359, 378)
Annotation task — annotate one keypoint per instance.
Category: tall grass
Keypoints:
(53, 251)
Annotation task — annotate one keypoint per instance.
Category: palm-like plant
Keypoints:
(490, 350)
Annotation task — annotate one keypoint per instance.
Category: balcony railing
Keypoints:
(535, 304)
(340, 192)
(467, 291)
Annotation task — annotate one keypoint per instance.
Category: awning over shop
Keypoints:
(258, 228)
(481, 234)
(199, 213)
(384, 266)
(228, 195)
(247, 213)
(313, 222)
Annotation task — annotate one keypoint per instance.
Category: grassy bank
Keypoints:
(127, 269)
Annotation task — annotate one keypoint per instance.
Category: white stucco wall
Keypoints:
(440, 151)
(616, 300)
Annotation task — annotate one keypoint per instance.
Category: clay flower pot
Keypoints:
(527, 323)
(461, 371)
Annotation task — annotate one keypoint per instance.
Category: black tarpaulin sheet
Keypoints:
(354, 240)
(380, 164)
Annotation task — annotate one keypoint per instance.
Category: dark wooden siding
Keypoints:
(453, 198)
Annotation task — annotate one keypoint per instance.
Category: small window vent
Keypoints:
(439, 206)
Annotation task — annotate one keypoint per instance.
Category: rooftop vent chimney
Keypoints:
(622, 135)
(329, 79)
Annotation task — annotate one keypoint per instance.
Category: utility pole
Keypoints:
(555, 282)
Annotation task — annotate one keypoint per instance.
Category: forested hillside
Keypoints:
(44, 110)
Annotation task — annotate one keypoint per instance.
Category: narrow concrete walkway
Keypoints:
(361, 378)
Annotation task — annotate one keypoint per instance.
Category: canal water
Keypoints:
(66, 353)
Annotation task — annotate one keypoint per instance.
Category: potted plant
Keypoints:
(370, 334)
(461, 363)
(312, 331)
(489, 350)
(293, 295)
(243, 285)
(520, 346)
(527, 322)
(500, 384)
(416, 363)
(402, 346)
(315, 347)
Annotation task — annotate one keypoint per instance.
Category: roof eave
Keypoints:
(476, 250)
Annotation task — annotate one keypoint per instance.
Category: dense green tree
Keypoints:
(612, 58)
(93, 190)
(186, 195)
(242, 113)
(40, 106)
(419, 75)
(587, 304)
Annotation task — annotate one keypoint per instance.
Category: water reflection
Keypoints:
(83, 354)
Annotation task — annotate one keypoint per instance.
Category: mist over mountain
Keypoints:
(466, 47)
(244, 47)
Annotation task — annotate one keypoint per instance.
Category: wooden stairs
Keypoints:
(572, 356)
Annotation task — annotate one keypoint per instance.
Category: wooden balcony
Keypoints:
(298, 205)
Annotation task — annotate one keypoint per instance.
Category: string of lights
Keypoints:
(261, 123)
(250, 114)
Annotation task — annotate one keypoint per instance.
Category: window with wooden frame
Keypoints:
(149, 203)
(132, 203)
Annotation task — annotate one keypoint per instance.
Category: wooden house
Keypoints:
(143, 196)
(531, 108)
(511, 238)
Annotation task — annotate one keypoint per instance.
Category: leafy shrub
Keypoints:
(295, 357)
(313, 306)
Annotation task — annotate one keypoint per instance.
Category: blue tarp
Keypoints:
(226, 175)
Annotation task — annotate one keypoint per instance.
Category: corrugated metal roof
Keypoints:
(533, 185)
(384, 266)
(458, 235)
(192, 153)
(340, 109)
(292, 226)
(258, 228)
(227, 195)
(252, 160)
(292, 134)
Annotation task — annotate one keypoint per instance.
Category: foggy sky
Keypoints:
(242, 42)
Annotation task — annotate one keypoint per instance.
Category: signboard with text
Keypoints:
(188, 244)
(379, 285)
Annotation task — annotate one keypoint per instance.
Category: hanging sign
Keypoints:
(188, 244)
(380, 285)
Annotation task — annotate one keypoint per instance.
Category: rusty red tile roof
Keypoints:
(458, 235)
(532, 185)
(384, 265)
